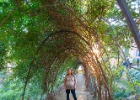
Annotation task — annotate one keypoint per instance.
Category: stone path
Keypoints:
(81, 92)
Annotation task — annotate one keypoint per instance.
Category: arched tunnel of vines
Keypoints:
(41, 39)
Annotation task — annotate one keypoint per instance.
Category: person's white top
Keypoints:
(70, 81)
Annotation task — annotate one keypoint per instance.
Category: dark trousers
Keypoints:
(73, 94)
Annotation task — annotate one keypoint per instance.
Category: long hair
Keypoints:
(71, 71)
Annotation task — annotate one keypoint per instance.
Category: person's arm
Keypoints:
(75, 82)
(65, 83)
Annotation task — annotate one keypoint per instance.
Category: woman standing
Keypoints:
(70, 84)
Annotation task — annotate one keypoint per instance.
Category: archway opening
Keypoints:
(80, 69)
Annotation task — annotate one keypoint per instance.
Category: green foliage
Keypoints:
(24, 27)
(121, 94)
(2, 55)
(13, 89)
(122, 90)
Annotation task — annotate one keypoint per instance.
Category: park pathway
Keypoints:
(81, 92)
